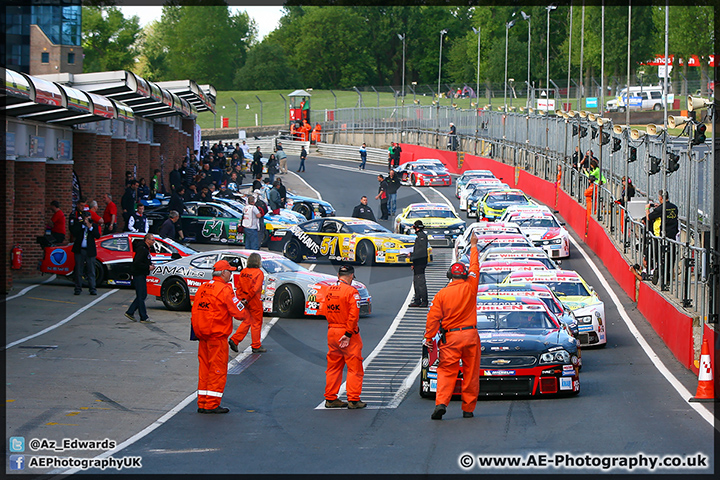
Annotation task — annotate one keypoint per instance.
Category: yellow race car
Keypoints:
(442, 224)
(343, 239)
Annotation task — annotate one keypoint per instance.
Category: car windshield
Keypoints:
(492, 277)
(478, 175)
(180, 247)
(506, 198)
(543, 222)
(281, 265)
(436, 167)
(480, 189)
(367, 227)
(570, 289)
(235, 204)
(513, 320)
(433, 213)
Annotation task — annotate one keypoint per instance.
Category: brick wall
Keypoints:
(30, 214)
(118, 165)
(84, 152)
(103, 170)
(58, 186)
(7, 234)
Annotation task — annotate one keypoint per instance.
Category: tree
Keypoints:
(266, 68)
(108, 39)
(204, 43)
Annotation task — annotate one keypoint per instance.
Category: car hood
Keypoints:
(542, 233)
(501, 205)
(430, 222)
(519, 342)
(576, 302)
(301, 198)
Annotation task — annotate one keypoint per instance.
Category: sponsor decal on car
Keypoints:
(566, 383)
(490, 373)
(568, 370)
(170, 270)
(305, 239)
(58, 256)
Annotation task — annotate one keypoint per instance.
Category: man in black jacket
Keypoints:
(85, 234)
(419, 262)
(383, 197)
(140, 269)
(129, 200)
(393, 184)
(363, 210)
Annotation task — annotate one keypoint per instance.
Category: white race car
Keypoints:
(572, 290)
(469, 188)
(516, 209)
(545, 232)
(480, 228)
(469, 175)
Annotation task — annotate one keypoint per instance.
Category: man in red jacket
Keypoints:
(456, 307)
(344, 343)
(213, 309)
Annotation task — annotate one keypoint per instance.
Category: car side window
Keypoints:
(204, 262)
(330, 227)
(655, 95)
(234, 260)
(206, 211)
(163, 248)
(313, 226)
(120, 244)
(191, 209)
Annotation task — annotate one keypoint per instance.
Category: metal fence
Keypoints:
(540, 144)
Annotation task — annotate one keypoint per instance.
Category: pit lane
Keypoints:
(625, 406)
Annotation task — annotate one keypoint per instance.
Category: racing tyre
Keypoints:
(656, 107)
(289, 301)
(175, 295)
(303, 210)
(293, 251)
(365, 254)
(414, 181)
(264, 237)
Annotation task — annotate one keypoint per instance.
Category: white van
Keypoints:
(651, 98)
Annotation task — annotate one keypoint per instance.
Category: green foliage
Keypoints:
(108, 39)
(199, 42)
(266, 67)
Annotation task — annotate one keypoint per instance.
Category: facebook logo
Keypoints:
(17, 462)
(17, 444)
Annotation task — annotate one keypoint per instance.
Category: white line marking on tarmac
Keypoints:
(177, 408)
(421, 194)
(444, 197)
(27, 289)
(654, 358)
(380, 344)
(351, 169)
(61, 322)
(317, 194)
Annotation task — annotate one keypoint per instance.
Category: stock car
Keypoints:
(306, 206)
(493, 204)
(426, 172)
(478, 192)
(471, 185)
(469, 175)
(288, 289)
(544, 293)
(496, 240)
(545, 232)
(525, 351)
(530, 253)
(343, 239)
(480, 228)
(513, 210)
(216, 222)
(572, 290)
(442, 225)
(495, 271)
(114, 256)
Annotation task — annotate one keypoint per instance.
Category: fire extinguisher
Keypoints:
(16, 254)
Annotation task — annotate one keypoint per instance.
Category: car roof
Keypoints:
(549, 275)
(423, 206)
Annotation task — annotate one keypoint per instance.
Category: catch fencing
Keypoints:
(543, 145)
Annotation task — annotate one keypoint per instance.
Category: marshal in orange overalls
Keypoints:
(456, 306)
(249, 285)
(342, 313)
(213, 309)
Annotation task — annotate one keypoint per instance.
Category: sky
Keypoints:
(266, 18)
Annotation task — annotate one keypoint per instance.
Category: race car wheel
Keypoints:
(303, 210)
(365, 254)
(289, 301)
(414, 180)
(174, 294)
(293, 251)
(264, 237)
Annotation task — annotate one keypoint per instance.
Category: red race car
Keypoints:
(114, 257)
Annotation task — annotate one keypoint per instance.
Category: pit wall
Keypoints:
(671, 323)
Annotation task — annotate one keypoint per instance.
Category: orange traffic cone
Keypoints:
(706, 387)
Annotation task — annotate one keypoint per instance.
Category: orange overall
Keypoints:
(315, 135)
(212, 312)
(456, 306)
(342, 313)
(249, 285)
